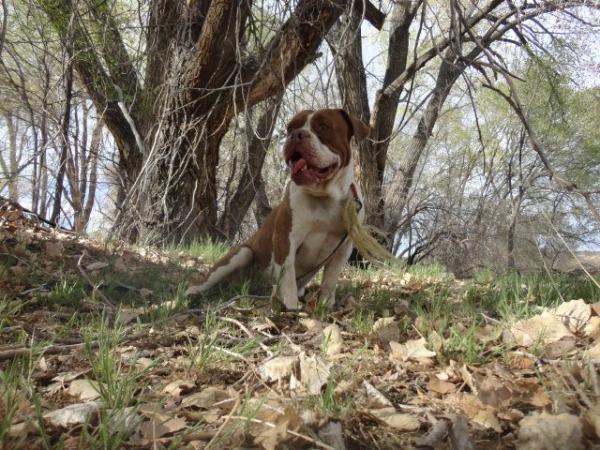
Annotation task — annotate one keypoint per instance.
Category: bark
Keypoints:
(11, 167)
(65, 139)
(258, 140)
(199, 76)
(352, 83)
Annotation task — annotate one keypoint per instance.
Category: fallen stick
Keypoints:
(60, 349)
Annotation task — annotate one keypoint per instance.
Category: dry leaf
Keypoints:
(332, 340)
(592, 328)
(546, 329)
(545, 431)
(574, 314)
(540, 399)
(278, 368)
(72, 415)
(386, 330)
(207, 398)
(175, 388)
(314, 372)
(312, 325)
(396, 420)
(376, 398)
(440, 386)
(54, 249)
(84, 389)
(152, 429)
(479, 413)
(270, 437)
(413, 349)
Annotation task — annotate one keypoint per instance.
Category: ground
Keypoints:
(99, 348)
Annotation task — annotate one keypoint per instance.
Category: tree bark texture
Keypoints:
(200, 74)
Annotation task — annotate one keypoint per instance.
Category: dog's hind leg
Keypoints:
(236, 259)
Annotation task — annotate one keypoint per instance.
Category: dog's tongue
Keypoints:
(298, 165)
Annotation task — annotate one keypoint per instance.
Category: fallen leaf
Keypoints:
(332, 340)
(386, 330)
(383, 322)
(124, 419)
(312, 325)
(175, 388)
(143, 363)
(54, 249)
(314, 372)
(278, 368)
(545, 329)
(152, 429)
(592, 328)
(376, 398)
(478, 412)
(84, 389)
(440, 386)
(574, 314)
(396, 420)
(540, 399)
(207, 398)
(269, 437)
(76, 414)
(414, 349)
(545, 431)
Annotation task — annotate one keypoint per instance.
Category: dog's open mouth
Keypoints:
(301, 168)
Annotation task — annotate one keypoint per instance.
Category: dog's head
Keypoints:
(318, 144)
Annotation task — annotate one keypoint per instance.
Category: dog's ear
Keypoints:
(358, 128)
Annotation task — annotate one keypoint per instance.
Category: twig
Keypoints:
(248, 333)
(316, 442)
(111, 306)
(60, 349)
(230, 353)
(222, 427)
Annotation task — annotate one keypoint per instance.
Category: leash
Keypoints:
(359, 206)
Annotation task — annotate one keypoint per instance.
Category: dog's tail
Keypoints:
(236, 259)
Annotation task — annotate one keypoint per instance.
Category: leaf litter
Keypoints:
(368, 378)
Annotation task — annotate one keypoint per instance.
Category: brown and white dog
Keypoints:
(305, 231)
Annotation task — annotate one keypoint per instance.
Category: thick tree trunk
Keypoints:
(258, 140)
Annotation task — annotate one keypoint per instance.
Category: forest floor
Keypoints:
(99, 348)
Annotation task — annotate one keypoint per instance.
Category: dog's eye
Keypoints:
(323, 126)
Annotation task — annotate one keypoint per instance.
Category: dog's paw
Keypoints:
(292, 304)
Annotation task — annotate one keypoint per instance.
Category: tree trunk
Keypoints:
(11, 167)
(258, 140)
(65, 139)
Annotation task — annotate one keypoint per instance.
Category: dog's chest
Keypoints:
(317, 230)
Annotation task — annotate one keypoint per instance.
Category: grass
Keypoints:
(421, 299)
(206, 249)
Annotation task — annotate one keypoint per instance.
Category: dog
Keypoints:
(305, 232)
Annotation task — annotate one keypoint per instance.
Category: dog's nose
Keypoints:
(298, 135)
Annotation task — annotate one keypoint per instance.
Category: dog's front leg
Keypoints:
(284, 261)
(331, 272)
(286, 279)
